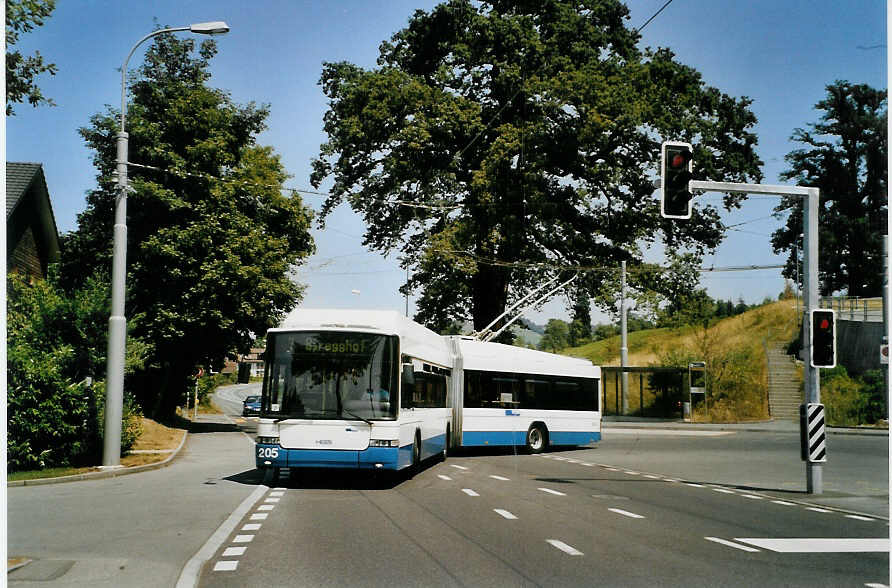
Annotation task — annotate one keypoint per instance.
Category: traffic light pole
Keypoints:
(811, 200)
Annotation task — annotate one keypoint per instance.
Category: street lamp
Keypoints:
(117, 322)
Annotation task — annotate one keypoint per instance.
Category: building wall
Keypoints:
(25, 257)
(858, 345)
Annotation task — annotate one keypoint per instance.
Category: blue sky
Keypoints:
(781, 54)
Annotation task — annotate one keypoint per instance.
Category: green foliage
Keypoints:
(556, 337)
(54, 342)
(497, 140)
(21, 17)
(215, 228)
(852, 401)
(844, 156)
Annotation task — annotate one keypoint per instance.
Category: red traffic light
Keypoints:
(678, 160)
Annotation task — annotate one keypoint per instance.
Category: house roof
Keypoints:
(25, 178)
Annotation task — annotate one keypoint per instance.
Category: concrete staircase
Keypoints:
(785, 392)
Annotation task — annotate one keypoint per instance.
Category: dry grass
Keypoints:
(155, 437)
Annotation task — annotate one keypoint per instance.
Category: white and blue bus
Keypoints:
(506, 395)
(375, 390)
(353, 389)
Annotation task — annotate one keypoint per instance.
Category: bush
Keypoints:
(852, 401)
(55, 419)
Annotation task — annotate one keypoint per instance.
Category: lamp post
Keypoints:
(117, 322)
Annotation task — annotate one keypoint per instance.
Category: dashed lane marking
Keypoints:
(550, 491)
(458, 467)
(783, 503)
(469, 492)
(501, 478)
(626, 513)
(505, 514)
(442, 477)
(816, 509)
(564, 547)
(859, 517)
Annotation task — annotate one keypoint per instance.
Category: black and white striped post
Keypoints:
(812, 435)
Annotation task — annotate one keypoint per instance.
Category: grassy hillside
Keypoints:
(772, 323)
(733, 349)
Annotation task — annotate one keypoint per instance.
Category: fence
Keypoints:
(654, 392)
(855, 309)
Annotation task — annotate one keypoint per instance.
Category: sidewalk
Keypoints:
(131, 530)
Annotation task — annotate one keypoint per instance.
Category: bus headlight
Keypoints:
(384, 443)
(268, 440)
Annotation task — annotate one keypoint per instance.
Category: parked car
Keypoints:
(251, 405)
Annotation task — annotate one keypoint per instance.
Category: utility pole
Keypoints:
(624, 349)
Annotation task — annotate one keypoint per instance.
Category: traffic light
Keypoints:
(676, 170)
(823, 338)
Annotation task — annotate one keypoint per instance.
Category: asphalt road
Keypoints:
(645, 507)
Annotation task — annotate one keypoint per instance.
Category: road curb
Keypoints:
(106, 474)
(732, 427)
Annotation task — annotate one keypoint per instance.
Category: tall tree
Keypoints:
(499, 141)
(21, 17)
(581, 325)
(212, 239)
(845, 156)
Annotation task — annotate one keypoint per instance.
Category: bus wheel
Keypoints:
(270, 476)
(536, 439)
(416, 456)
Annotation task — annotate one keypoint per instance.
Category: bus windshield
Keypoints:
(331, 375)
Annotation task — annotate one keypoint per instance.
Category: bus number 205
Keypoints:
(268, 452)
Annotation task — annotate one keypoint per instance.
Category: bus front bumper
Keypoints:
(373, 458)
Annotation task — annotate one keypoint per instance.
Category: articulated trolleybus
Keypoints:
(374, 390)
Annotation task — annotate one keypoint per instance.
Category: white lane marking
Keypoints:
(259, 516)
(442, 477)
(505, 514)
(692, 485)
(225, 566)
(458, 467)
(273, 500)
(232, 551)
(279, 489)
(277, 493)
(859, 518)
(266, 507)
(783, 503)
(626, 513)
(588, 465)
(251, 527)
(192, 569)
(730, 544)
(753, 497)
(723, 490)
(815, 509)
(503, 479)
(469, 492)
(573, 461)
(563, 547)
(811, 545)
(550, 491)
(612, 469)
(631, 473)
(243, 538)
(651, 476)
(672, 480)
(875, 585)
